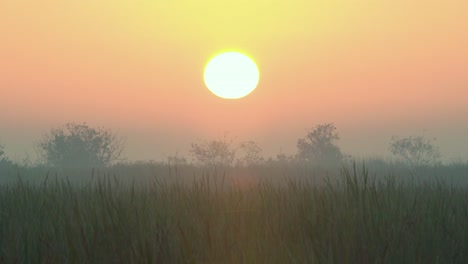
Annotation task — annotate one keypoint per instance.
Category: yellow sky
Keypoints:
(375, 68)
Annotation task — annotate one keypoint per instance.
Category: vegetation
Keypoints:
(251, 154)
(319, 146)
(2, 154)
(4, 160)
(79, 145)
(81, 206)
(221, 152)
(286, 216)
(416, 150)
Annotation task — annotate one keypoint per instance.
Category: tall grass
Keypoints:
(354, 218)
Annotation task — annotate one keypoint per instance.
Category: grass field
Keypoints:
(190, 215)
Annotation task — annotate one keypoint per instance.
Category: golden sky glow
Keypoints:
(375, 68)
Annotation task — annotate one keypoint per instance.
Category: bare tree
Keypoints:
(319, 145)
(76, 145)
(416, 150)
(214, 152)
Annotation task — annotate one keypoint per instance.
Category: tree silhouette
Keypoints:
(416, 150)
(76, 145)
(252, 153)
(2, 153)
(214, 152)
(319, 146)
(4, 161)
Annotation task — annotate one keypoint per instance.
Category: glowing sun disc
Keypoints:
(231, 75)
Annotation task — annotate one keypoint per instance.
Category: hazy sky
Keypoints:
(374, 68)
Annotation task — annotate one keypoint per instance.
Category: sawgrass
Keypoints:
(351, 218)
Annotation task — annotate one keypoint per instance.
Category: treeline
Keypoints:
(80, 145)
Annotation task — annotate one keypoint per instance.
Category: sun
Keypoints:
(231, 75)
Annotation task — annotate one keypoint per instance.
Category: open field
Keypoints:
(273, 214)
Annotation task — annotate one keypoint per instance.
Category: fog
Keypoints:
(372, 141)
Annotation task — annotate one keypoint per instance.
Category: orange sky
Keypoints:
(374, 68)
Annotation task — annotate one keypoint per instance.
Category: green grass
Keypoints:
(353, 218)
